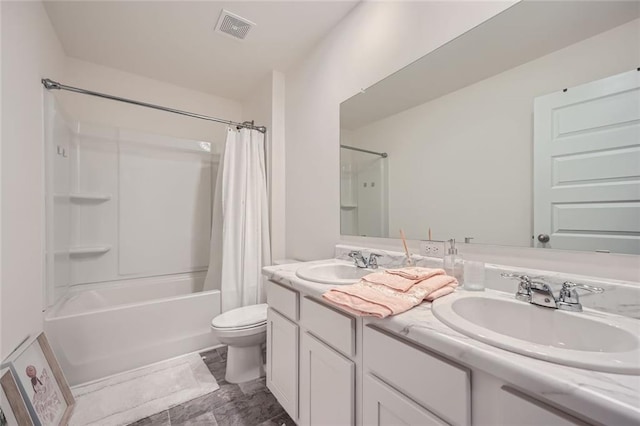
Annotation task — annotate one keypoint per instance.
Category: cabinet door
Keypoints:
(384, 406)
(518, 409)
(327, 385)
(282, 361)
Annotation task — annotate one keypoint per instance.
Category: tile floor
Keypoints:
(246, 404)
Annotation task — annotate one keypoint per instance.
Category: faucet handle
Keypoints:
(524, 286)
(569, 300)
(373, 260)
(522, 278)
(568, 285)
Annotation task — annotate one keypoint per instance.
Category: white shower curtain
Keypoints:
(240, 243)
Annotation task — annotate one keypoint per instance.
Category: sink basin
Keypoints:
(589, 339)
(333, 273)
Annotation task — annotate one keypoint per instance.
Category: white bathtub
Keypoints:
(114, 327)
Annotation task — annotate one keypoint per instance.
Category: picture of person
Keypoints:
(31, 373)
(46, 400)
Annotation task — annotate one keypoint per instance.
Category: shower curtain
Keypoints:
(240, 243)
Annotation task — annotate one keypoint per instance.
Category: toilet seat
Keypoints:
(244, 318)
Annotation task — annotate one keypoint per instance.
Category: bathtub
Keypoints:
(104, 329)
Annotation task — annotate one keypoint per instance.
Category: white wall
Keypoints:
(373, 41)
(30, 51)
(365, 47)
(467, 156)
(99, 78)
(266, 107)
(1, 215)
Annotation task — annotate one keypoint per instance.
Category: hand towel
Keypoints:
(416, 273)
(401, 279)
(369, 299)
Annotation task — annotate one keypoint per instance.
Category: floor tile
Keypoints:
(222, 352)
(217, 367)
(180, 414)
(160, 419)
(250, 410)
(281, 420)
(211, 356)
(253, 386)
(206, 419)
(209, 403)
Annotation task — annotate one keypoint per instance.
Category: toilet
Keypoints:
(243, 330)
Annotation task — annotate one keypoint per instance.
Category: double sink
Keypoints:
(590, 339)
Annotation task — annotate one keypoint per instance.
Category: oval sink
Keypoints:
(590, 339)
(333, 273)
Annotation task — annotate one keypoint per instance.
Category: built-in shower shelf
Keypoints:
(348, 206)
(79, 251)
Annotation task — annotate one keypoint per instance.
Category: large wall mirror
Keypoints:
(524, 131)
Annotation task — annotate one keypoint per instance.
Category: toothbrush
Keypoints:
(406, 249)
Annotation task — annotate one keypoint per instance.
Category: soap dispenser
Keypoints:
(453, 263)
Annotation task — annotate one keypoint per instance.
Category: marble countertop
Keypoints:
(611, 399)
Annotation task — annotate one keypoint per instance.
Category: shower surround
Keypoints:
(128, 226)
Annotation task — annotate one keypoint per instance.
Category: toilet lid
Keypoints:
(246, 316)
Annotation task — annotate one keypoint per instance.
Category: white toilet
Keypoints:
(243, 330)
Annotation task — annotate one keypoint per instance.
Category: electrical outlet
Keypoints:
(432, 248)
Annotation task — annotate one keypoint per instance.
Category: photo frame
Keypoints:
(41, 382)
(13, 410)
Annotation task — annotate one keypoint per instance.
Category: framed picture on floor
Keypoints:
(41, 382)
(13, 410)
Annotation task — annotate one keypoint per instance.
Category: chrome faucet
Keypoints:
(537, 292)
(542, 295)
(358, 258)
(362, 262)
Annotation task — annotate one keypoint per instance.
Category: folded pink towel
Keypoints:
(400, 279)
(415, 272)
(369, 299)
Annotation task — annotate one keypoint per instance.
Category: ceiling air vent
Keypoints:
(233, 25)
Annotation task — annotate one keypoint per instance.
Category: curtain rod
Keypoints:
(353, 148)
(54, 85)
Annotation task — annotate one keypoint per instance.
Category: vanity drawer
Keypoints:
(331, 326)
(283, 300)
(519, 409)
(440, 386)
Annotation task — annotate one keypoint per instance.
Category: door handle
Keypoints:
(543, 238)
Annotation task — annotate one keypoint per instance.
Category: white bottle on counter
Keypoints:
(453, 265)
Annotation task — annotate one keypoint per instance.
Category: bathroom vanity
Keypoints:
(326, 366)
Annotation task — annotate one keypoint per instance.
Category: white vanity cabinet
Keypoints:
(311, 363)
(438, 385)
(327, 385)
(407, 384)
(282, 361)
(384, 406)
(519, 409)
(326, 367)
(282, 347)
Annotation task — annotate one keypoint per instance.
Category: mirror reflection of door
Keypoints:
(587, 166)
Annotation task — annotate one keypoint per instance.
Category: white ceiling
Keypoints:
(175, 42)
